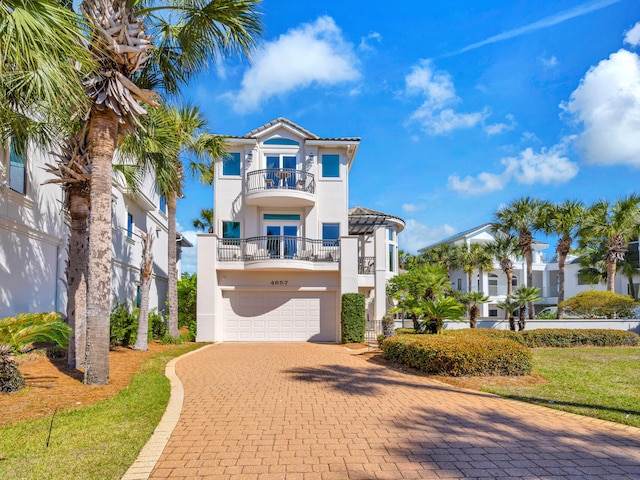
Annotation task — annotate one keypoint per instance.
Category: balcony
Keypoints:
(273, 251)
(280, 187)
(366, 265)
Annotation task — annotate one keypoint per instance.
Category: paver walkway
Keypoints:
(312, 411)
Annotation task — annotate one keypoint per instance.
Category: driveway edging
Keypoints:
(148, 457)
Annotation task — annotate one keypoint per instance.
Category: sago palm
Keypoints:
(473, 300)
(525, 296)
(437, 310)
(510, 307)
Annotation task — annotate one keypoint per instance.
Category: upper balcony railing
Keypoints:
(272, 247)
(280, 178)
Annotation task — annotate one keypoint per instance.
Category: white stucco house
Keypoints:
(285, 246)
(545, 273)
(33, 238)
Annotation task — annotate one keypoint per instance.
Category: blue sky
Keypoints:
(462, 106)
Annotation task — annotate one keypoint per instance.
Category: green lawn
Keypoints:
(99, 441)
(594, 381)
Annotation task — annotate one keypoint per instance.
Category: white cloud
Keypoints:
(312, 53)
(436, 86)
(412, 207)
(366, 42)
(550, 62)
(417, 235)
(496, 128)
(528, 168)
(632, 37)
(607, 104)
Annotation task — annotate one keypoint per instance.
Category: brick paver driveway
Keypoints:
(319, 411)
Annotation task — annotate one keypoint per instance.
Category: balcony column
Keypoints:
(209, 298)
(348, 265)
(380, 275)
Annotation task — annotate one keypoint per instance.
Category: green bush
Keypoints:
(353, 318)
(405, 331)
(598, 303)
(380, 339)
(558, 337)
(123, 326)
(458, 355)
(187, 303)
(157, 327)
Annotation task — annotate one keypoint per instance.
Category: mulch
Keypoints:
(52, 386)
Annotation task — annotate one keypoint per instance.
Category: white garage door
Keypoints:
(279, 316)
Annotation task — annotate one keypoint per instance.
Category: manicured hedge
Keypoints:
(405, 331)
(353, 318)
(559, 337)
(458, 355)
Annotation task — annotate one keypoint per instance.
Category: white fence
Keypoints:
(632, 324)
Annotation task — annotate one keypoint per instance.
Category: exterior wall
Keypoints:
(33, 242)
(632, 325)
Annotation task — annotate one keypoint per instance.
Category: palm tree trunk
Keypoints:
(146, 270)
(172, 202)
(530, 280)
(103, 130)
(522, 318)
(509, 275)
(77, 276)
(562, 258)
(611, 276)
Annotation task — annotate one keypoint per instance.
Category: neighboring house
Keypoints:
(545, 273)
(33, 238)
(494, 283)
(285, 246)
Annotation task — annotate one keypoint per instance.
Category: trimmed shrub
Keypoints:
(558, 337)
(405, 331)
(157, 327)
(458, 355)
(353, 318)
(598, 303)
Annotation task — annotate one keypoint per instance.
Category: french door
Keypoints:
(284, 243)
(281, 170)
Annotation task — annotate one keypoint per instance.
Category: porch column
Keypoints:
(380, 282)
(209, 299)
(348, 265)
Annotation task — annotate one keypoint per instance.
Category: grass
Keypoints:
(600, 382)
(99, 441)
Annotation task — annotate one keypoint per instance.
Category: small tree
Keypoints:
(510, 307)
(187, 303)
(598, 303)
(525, 296)
(473, 300)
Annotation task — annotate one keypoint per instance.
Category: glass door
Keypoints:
(281, 171)
(282, 241)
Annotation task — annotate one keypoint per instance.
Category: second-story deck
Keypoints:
(280, 187)
(274, 248)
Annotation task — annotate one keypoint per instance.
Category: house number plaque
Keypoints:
(279, 282)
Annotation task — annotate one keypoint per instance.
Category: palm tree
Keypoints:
(562, 219)
(146, 271)
(510, 307)
(177, 133)
(476, 257)
(520, 218)
(473, 300)
(630, 269)
(205, 222)
(185, 35)
(443, 254)
(525, 296)
(611, 227)
(503, 249)
(40, 87)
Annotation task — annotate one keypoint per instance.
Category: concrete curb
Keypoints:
(143, 466)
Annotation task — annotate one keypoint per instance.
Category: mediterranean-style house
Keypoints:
(285, 246)
(34, 234)
(545, 273)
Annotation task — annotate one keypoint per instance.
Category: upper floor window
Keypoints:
(163, 204)
(231, 164)
(231, 231)
(129, 225)
(331, 166)
(17, 171)
(390, 232)
(330, 234)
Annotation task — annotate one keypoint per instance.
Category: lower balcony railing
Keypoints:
(366, 265)
(273, 247)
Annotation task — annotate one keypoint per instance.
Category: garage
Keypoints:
(255, 316)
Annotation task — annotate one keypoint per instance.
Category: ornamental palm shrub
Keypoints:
(473, 300)
(353, 317)
(18, 333)
(437, 311)
(597, 303)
